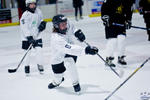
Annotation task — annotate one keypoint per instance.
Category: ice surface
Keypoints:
(97, 81)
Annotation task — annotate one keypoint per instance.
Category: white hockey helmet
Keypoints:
(30, 1)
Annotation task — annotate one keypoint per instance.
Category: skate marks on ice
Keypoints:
(88, 90)
(85, 89)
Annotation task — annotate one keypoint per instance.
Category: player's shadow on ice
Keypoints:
(85, 89)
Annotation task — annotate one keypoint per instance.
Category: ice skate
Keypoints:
(40, 68)
(77, 89)
(109, 62)
(27, 70)
(121, 60)
(54, 84)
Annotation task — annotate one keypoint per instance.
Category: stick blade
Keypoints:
(12, 70)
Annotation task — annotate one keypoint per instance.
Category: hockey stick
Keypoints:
(14, 70)
(140, 27)
(105, 61)
(137, 27)
(146, 12)
(127, 78)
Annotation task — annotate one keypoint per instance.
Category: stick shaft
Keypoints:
(137, 27)
(104, 61)
(127, 79)
(23, 57)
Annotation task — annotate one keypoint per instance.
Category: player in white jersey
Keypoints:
(32, 24)
(64, 51)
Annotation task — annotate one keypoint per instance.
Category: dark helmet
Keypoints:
(57, 20)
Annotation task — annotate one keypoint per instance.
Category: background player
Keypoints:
(32, 24)
(116, 12)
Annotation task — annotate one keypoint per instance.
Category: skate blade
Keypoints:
(122, 66)
(27, 75)
(41, 72)
(78, 93)
(113, 66)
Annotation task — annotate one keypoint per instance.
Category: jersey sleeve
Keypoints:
(71, 27)
(62, 46)
(40, 15)
(24, 24)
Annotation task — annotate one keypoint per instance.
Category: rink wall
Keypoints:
(52, 9)
(91, 8)
(48, 11)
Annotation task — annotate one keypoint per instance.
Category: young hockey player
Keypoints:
(64, 52)
(32, 24)
(145, 10)
(116, 12)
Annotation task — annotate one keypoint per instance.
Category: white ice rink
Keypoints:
(97, 81)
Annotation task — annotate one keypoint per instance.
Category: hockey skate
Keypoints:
(121, 60)
(54, 84)
(40, 68)
(81, 17)
(76, 18)
(77, 88)
(27, 70)
(109, 62)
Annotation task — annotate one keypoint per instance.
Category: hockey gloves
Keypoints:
(128, 24)
(105, 19)
(31, 40)
(42, 26)
(79, 34)
(91, 50)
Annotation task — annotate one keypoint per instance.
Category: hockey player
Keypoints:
(145, 10)
(116, 12)
(64, 52)
(32, 24)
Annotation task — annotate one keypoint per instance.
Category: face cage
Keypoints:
(56, 26)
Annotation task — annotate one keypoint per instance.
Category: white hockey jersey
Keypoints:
(64, 44)
(29, 23)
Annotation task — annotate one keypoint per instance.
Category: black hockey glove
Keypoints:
(105, 19)
(128, 24)
(91, 50)
(42, 26)
(31, 40)
(79, 34)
